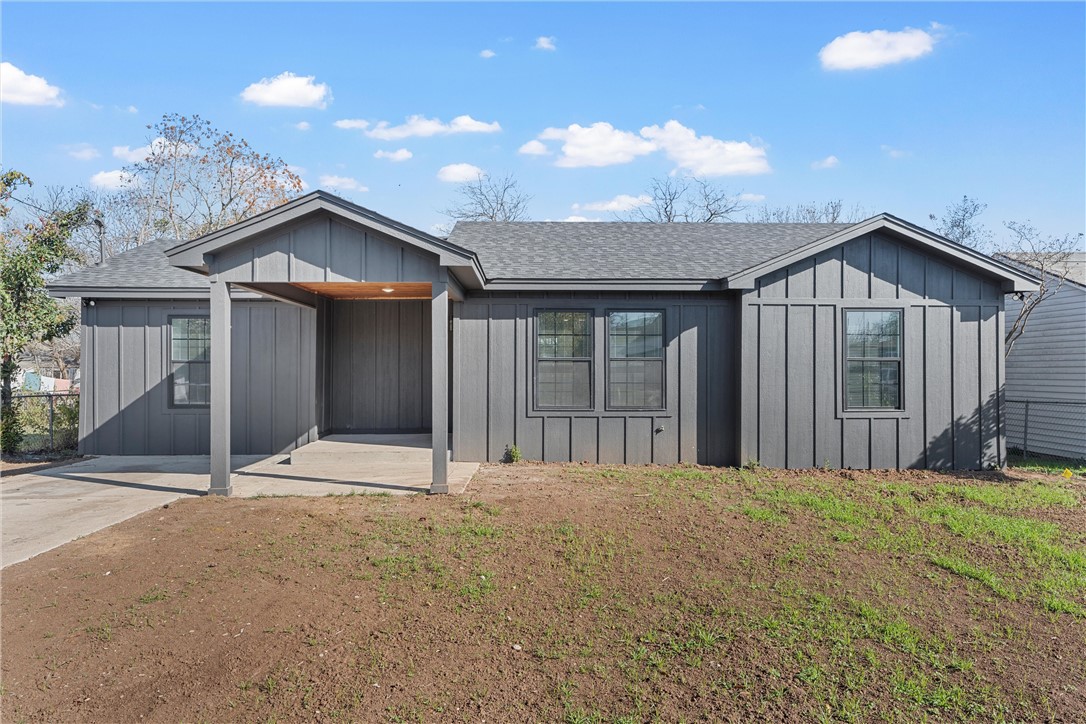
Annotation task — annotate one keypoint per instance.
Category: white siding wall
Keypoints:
(1048, 364)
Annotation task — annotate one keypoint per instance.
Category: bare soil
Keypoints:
(557, 592)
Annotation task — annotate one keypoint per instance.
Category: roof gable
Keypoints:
(191, 254)
(1010, 278)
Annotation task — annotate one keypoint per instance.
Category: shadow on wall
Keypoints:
(275, 422)
(970, 442)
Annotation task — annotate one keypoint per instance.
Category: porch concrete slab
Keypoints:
(43, 510)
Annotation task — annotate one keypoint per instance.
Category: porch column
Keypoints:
(220, 388)
(440, 387)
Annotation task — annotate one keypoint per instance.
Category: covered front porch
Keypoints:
(381, 295)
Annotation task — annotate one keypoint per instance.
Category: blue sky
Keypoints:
(981, 99)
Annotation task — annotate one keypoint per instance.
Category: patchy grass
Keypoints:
(571, 593)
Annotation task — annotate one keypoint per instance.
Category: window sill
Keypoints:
(872, 415)
(659, 414)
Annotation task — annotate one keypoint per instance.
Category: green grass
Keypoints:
(965, 569)
(1043, 464)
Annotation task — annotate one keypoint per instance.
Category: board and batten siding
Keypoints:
(124, 406)
(378, 366)
(1047, 365)
(493, 367)
(792, 408)
(325, 250)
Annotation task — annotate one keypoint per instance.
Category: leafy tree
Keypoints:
(490, 198)
(195, 179)
(686, 199)
(28, 314)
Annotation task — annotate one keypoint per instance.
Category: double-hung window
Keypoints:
(873, 354)
(563, 365)
(190, 362)
(635, 360)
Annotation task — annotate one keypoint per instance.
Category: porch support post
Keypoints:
(220, 388)
(440, 387)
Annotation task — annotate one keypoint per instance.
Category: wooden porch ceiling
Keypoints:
(368, 290)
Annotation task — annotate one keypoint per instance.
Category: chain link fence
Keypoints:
(49, 420)
(1046, 429)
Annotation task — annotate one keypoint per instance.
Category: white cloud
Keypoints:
(132, 155)
(400, 154)
(752, 198)
(859, 50)
(825, 163)
(132, 109)
(459, 173)
(109, 180)
(545, 42)
(488, 53)
(578, 218)
(342, 183)
(82, 151)
(351, 124)
(600, 144)
(23, 89)
(622, 202)
(302, 125)
(534, 148)
(289, 90)
(895, 152)
(426, 127)
(705, 155)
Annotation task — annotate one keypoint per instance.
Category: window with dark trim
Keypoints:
(873, 342)
(635, 360)
(190, 362)
(563, 365)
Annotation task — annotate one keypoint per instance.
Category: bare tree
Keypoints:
(195, 179)
(1046, 258)
(960, 223)
(829, 212)
(490, 198)
(686, 199)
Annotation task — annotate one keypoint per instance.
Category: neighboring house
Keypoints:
(872, 345)
(1046, 370)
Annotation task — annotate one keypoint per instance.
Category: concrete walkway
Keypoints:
(40, 511)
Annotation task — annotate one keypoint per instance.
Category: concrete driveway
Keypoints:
(43, 510)
(40, 511)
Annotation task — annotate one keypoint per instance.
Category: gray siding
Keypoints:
(1048, 364)
(124, 394)
(493, 355)
(378, 358)
(325, 250)
(792, 388)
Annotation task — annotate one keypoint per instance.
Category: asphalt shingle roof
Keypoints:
(628, 250)
(535, 250)
(143, 267)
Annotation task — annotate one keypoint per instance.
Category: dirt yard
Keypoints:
(573, 593)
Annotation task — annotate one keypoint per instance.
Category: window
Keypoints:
(635, 360)
(873, 359)
(190, 362)
(563, 366)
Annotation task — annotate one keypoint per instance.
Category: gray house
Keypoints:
(872, 345)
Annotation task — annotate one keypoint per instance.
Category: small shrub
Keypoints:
(11, 429)
(512, 454)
